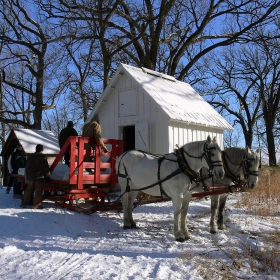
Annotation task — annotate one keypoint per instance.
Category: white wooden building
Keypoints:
(153, 112)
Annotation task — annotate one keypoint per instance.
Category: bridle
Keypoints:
(245, 165)
(206, 155)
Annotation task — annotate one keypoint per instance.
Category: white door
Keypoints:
(142, 136)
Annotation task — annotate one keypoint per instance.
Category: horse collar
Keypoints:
(228, 173)
(184, 166)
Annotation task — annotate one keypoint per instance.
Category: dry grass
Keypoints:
(264, 200)
(241, 257)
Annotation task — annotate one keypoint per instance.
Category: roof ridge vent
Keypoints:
(157, 74)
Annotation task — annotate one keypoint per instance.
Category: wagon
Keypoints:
(78, 190)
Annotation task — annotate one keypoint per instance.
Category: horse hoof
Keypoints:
(133, 226)
(213, 232)
(221, 227)
(126, 227)
(180, 239)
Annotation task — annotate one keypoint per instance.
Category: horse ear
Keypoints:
(209, 140)
(248, 150)
(214, 139)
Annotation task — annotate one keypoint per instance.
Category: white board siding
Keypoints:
(180, 134)
(142, 106)
(159, 144)
(107, 122)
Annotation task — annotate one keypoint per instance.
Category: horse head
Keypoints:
(213, 157)
(242, 165)
(251, 167)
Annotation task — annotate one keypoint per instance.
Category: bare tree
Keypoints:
(248, 89)
(23, 60)
(89, 24)
(73, 47)
(182, 32)
(234, 92)
(84, 85)
(265, 65)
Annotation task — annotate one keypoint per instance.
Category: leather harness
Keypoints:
(183, 167)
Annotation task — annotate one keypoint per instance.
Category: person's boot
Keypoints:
(8, 190)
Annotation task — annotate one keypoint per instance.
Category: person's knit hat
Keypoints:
(70, 123)
(39, 148)
(95, 117)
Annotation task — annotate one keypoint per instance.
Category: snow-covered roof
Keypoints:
(177, 99)
(29, 138)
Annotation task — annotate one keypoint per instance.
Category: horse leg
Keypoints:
(127, 203)
(184, 220)
(131, 197)
(221, 211)
(214, 206)
(177, 209)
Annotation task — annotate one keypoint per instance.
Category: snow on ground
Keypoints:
(56, 243)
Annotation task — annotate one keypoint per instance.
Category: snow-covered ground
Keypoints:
(56, 243)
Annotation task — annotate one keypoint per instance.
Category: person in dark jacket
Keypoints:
(37, 172)
(63, 136)
(18, 160)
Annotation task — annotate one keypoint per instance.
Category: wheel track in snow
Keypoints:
(72, 259)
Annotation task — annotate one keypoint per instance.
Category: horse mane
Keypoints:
(236, 154)
(195, 144)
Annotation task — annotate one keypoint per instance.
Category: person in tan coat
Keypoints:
(37, 172)
(93, 129)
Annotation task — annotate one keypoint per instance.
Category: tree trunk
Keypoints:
(270, 143)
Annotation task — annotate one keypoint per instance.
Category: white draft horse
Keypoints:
(241, 167)
(169, 175)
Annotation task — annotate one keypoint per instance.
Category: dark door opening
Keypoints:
(128, 138)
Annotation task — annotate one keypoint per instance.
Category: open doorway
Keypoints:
(128, 138)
